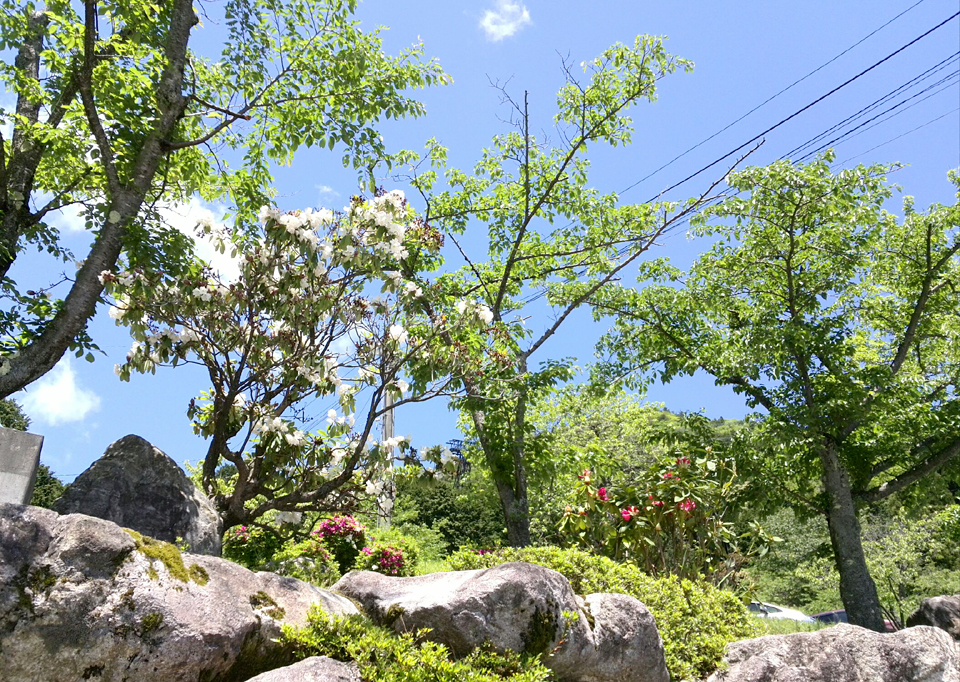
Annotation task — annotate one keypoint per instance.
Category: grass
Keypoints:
(782, 626)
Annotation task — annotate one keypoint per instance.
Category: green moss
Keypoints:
(152, 573)
(393, 613)
(264, 602)
(42, 579)
(542, 632)
(199, 574)
(169, 555)
(150, 622)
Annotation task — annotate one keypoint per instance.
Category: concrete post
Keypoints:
(19, 459)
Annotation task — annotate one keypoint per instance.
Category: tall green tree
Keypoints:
(116, 115)
(550, 236)
(836, 320)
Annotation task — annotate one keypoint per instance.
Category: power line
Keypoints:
(842, 138)
(913, 81)
(770, 99)
(894, 139)
(813, 103)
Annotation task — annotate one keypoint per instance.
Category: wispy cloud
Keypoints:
(58, 398)
(327, 192)
(186, 217)
(505, 20)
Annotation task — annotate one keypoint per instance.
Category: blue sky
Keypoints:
(745, 53)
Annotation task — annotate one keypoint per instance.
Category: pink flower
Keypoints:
(669, 474)
(687, 505)
(602, 495)
(683, 461)
(628, 513)
(655, 503)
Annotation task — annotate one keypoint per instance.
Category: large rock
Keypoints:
(315, 669)
(81, 598)
(136, 485)
(940, 612)
(525, 608)
(844, 653)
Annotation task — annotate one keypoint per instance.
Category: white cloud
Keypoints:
(58, 399)
(186, 217)
(326, 191)
(502, 22)
(69, 218)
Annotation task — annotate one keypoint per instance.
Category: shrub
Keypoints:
(343, 536)
(251, 546)
(391, 552)
(381, 655)
(696, 620)
(307, 560)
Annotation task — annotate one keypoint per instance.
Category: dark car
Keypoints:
(840, 616)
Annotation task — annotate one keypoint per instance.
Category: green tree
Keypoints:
(834, 318)
(47, 489)
(549, 235)
(12, 415)
(115, 115)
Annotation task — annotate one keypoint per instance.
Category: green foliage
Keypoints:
(47, 489)
(696, 620)
(135, 119)
(343, 536)
(307, 560)
(911, 557)
(383, 656)
(670, 522)
(548, 233)
(464, 516)
(389, 551)
(251, 546)
(12, 415)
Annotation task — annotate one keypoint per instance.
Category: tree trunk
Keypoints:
(512, 489)
(857, 589)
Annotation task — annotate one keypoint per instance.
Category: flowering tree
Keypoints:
(299, 324)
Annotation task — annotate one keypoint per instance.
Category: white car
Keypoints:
(759, 608)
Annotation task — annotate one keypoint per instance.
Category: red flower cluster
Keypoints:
(338, 526)
(628, 513)
(683, 461)
(602, 495)
(655, 503)
(687, 505)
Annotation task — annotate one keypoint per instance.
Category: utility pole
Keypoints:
(388, 495)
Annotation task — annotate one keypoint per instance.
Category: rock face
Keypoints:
(940, 612)
(844, 653)
(81, 598)
(138, 486)
(316, 669)
(523, 607)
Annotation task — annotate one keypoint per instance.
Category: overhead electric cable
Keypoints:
(878, 102)
(771, 98)
(813, 103)
(842, 138)
(894, 139)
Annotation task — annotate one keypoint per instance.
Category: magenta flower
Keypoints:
(628, 513)
(602, 495)
(687, 505)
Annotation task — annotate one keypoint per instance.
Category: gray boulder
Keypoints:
(81, 598)
(315, 669)
(844, 653)
(136, 485)
(939, 612)
(524, 608)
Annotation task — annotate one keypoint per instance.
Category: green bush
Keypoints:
(385, 657)
(251, 546)
(696, 620)
(390, 552)
(307, 560)
(344, 536)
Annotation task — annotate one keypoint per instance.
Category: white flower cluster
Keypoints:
(483, 312)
